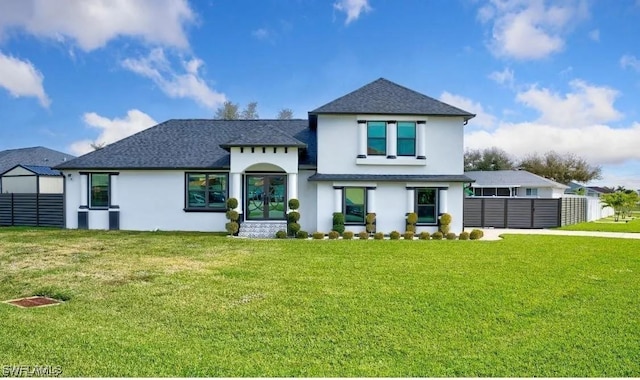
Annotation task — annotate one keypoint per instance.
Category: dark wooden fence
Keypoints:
(37, 210)
(523, 212)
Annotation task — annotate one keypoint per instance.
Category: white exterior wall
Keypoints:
(51, 185)
(308, 201)
(390, 205)
(338, 140)
(148, 200)
(287, 162)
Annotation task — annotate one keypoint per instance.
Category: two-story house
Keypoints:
(381, 149)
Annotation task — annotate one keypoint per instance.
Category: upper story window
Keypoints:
(377, 138)
(532, 192)
(99, 190)
(207, 191)
(406, 138)
(354, 205)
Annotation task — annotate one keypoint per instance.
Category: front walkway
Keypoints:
(494, 233)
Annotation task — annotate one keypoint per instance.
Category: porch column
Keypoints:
(84, 190)
(392, 139)
(362, 139)
(337, 199)
(236, 189)
(443, 205)
(411, 194)
(371, 200)
(113, 196)
(421, 136)
(292, 187)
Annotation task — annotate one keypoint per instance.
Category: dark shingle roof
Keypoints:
(385, 97)
(511, 178)
(391, 177)
(189, 144)
(39, 156)
(268, 135)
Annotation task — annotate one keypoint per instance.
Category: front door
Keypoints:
(266, 197)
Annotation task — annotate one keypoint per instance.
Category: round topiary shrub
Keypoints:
(408, 235)
(338, 222)
(445, 219)
(294, 204)
(412, 218)
(411, 228)
(378, 236)
(394, 235)
(370, 218)
(232, 215)
(451, 236)
(347, 235)
(363, 235)
(302, 234)
(318, 235)
(464, 235)
(475, 234)
(294, 228)
(293, 216)
(281, 234)
(232, 227)
(334, 235)
(232, 203)
(371, 228)
(424, 235)
(444, 229)
(437, 235)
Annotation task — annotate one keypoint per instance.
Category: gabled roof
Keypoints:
(391, 177)
(385, 97)
(511, 178)
(190, 144)
(38, 170)
(38, 156)
(267, 135)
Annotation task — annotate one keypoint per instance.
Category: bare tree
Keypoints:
(285, 114)
(251, 112)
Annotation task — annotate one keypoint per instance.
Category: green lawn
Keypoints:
(189, 304)
(608, 225)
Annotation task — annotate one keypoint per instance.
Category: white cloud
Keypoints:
(586, 105)
(594, 35)
(261, 34)
(184, 83)
(504, 77)
(630, 61)
(482, 119)
(112, 130)
(92, 23)
(21, 78)
(529, 30)
(353, 8)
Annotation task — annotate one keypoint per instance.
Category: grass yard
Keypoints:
(608, 225)
(191, 304)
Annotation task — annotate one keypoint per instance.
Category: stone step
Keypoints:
(261, 230)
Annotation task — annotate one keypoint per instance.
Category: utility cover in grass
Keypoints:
(36, 301)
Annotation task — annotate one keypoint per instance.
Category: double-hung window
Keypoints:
(427, 205)
(376, 138)
(354, 205)
(406, 138)
(206, 191)
(99, 190)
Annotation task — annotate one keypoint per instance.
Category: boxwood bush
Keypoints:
(394, 235)
(408, 235)
(333, 235)
(437, 235)
(348, 235)
(451, 236)
(363, 235)
(378, 236)
(424, 235)
(282, 234)
(302, 234)
(318, 235)
(464, 235)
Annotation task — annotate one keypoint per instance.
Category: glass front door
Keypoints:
(266, 197)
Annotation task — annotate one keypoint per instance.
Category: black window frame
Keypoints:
(364, 206)
(384, 153)
(205, 207)
(436, 205)
(90, 192)
(398, 138)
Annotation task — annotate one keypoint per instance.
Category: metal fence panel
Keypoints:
(45, 210)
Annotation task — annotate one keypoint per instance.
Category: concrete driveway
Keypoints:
(494, 233)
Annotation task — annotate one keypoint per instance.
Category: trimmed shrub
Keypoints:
(282, 234)
(318, 235)
(294, 204)
(475, 234)
(444, 229)
(347, 235)
(232, 203)
(371, 228)
(412, 218)
(293, 216)
(232, 215)
(464, 235)
(294, 228)
(411, 228)
(408, 235)
(338, 222)
(451, 236)
(370, 218)
(394, 235)
(334, 235)
(232, 227)
(378, 236)
(424, 235)
(445, 219)
(302, 234)
(363, 235)
(437, 235)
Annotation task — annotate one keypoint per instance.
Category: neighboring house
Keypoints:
(589, 191)
(383, 148)
(28, 170)
(513, 183)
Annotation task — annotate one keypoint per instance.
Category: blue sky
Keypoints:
(540, 75)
